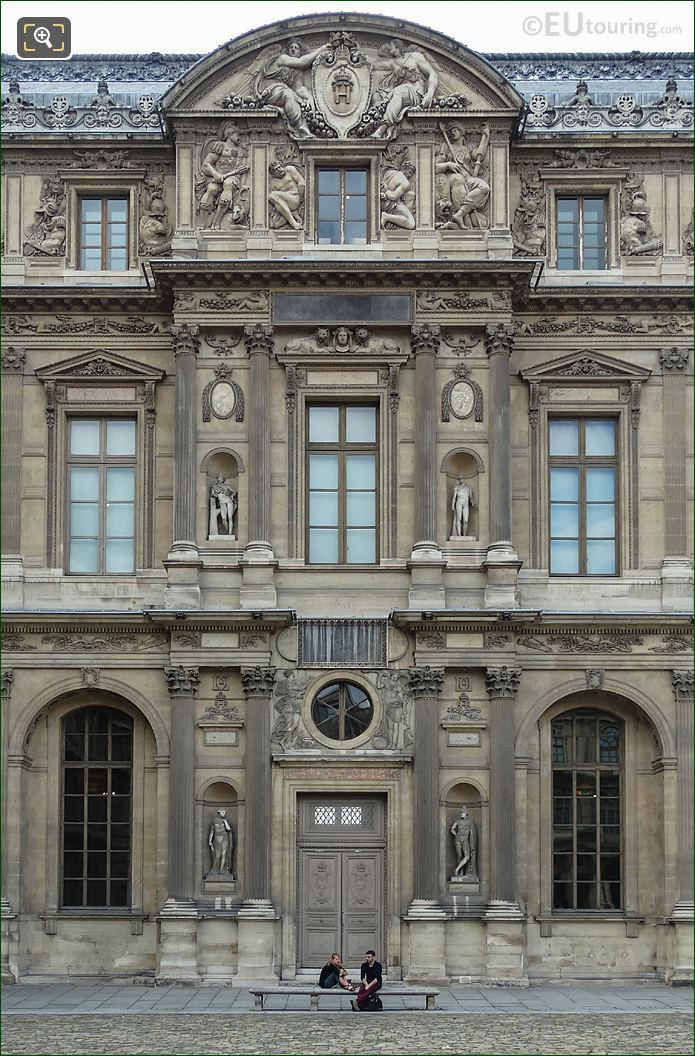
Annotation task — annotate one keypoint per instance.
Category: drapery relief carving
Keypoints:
(637, 236)
(221, 195)
(46, 236)
(395, 732)
(288, 695)
(462, 188)
(155, 228)
(528, 223)
(287, 189)
(397, 191)
(344, 89)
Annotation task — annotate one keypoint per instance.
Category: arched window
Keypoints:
(342, 711)
(97, 800)
(587, 759)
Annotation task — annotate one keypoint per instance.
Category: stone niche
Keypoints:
(221, 469)
(220, 795)
(463, 794)
(466, 464)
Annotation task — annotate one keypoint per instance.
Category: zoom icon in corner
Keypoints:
(43, 38)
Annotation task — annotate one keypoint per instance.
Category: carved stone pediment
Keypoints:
(347, 76)
(99, 365)
(585, 365)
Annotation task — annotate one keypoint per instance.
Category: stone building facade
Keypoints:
(346, 539)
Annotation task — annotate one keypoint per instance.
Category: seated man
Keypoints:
(370, 974)
(333, 974)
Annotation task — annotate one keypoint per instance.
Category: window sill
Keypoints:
(578, 916)
(50, 920)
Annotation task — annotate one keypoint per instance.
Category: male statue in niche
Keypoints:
(223, 504)
(461, 503)
(221, 844)
(466, 843)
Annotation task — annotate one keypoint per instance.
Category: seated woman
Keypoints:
(333, 974)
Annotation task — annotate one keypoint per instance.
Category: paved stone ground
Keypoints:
(105, 1019)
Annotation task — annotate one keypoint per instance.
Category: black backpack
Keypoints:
(374, 1004)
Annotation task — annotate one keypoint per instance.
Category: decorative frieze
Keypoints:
(341, 340)
(580, 643)
(77, 642)
(502, 681)
(224, 302)
(461, 301)
(430, 640)
(182, 681)
(95, 326)
(673, 643)
(586, 325)
(186, 639)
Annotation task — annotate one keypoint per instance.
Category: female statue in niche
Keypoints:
(221, 844)
(223, 505)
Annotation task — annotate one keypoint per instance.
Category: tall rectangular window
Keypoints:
(341, 206)
(101, 496)
(342, 484)
(583, 467)
(581, 234)
(103, 234)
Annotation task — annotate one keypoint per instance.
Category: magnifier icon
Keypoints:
(43, 36)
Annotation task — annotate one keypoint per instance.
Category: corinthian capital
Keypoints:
(182, 681)
(682, 682)
(499, 339)
(258, 681)
(13, 359)
(425, 681)
(425, 338)
(674, 358)
(502, 681)
(258, 338)
(185, 339)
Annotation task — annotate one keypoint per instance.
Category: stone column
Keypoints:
(259, 243)
(185, 240)
(426, 563)
(680, 971)
(425, 915)
(258, 586)
(183, 560)
(257, 915)
(673, 260)
(13, 360)
(502, 563)
(177, 949)
(425, 239)
(499, 242)
(504, 921)
(8, 929)
(676, 569)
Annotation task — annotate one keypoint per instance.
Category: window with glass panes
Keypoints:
(103, 234)
(97, 793)
(342, 484)
(586, 753)
(341, 206)
(101, 496)
(581, 234)
(342, 711)
(583, 468)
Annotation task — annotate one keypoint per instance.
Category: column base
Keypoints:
(426, 927)
(182, 564)
(505, 944)
(258, 577)
(9, 968)
(256, 941)
(177, 945)
(12, 581)
(676, 583)
(502, 567)
(426, 567)
(682, 971)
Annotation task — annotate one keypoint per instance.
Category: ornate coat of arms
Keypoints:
(342, 83)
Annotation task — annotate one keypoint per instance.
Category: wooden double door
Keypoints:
(341, 879)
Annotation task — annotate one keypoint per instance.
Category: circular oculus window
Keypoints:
(342, 711)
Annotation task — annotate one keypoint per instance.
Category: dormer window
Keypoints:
(341, 206)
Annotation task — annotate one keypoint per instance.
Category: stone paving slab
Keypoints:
(325, 1034)
(70, 998)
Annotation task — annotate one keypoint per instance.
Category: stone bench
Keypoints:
(315, 992)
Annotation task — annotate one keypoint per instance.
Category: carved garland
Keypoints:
(223, 377)
(462, 378)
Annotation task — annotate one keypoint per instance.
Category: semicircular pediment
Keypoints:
(341, 76)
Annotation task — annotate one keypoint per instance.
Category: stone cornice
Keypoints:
(143, 622)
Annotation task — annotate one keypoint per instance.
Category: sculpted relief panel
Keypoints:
(343, 88)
